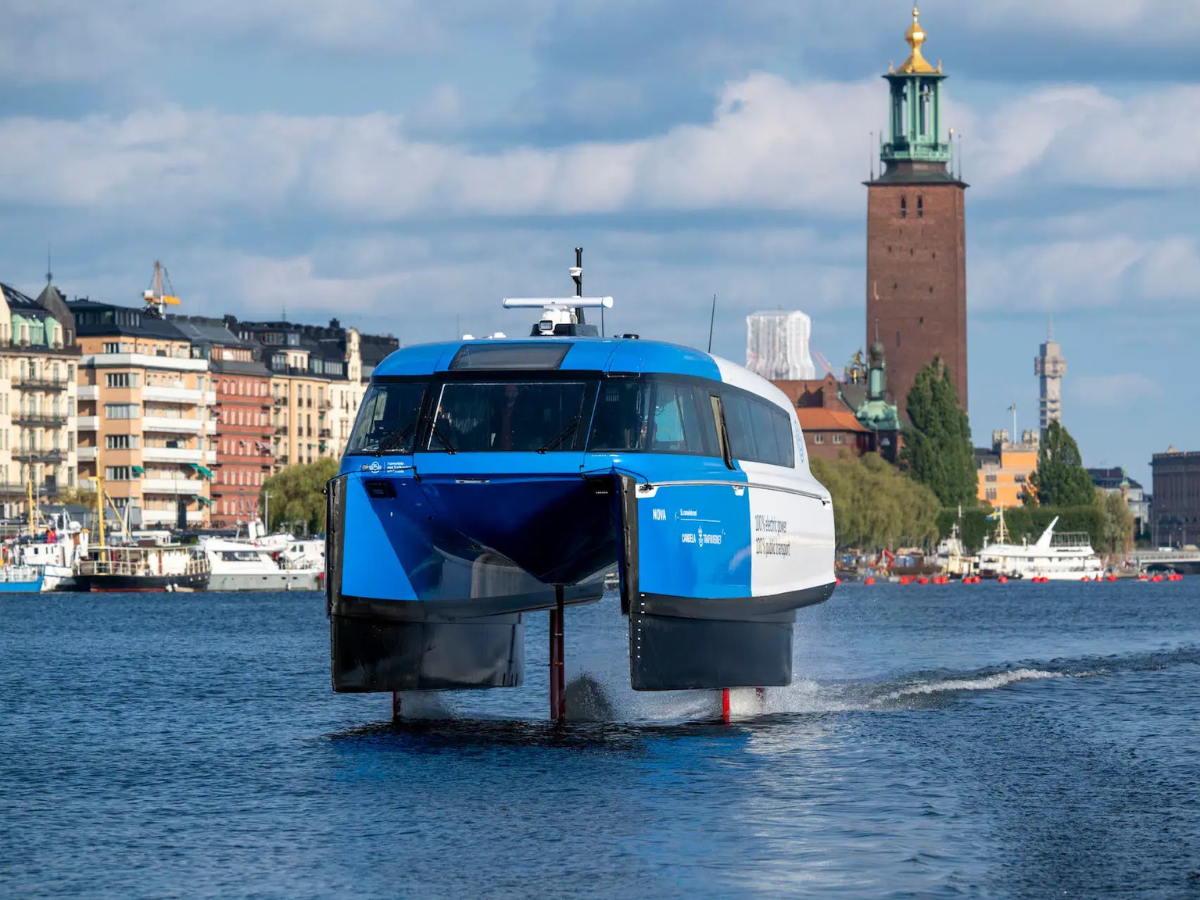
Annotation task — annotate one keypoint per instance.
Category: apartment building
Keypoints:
(317, 383)
(145, 405)
(242, 386)
(39, 362)
(1004, 468)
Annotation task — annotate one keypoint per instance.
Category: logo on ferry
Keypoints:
(375, 467)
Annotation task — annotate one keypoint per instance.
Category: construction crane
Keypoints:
(155, 297)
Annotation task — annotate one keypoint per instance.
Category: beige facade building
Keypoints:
(39, 363)
(145, 404)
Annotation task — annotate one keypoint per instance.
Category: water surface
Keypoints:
(986, 740)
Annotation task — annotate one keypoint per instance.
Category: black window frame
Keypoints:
(773, 409)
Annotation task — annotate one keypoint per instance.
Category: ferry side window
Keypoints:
(740, 427)
(758, 431)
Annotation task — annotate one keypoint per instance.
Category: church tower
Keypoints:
(916, 233)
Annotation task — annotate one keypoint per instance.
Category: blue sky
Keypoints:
(402, 164)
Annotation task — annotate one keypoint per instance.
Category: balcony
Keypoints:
(40, 384)
(172, 455)
(85, 454)
(325, 433)
(168, 517)
(146, 361)
(87, 392)
(186, 396)
(281, 401)
(30, 455)
(47, 420)
(184, 487)
(21, 489)
(87, 423)
(281, 429)
(180, 425)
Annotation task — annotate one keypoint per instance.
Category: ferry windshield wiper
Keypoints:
(559, 438)
(393, 439)
(445, 440)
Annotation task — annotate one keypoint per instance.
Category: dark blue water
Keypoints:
(992, 741)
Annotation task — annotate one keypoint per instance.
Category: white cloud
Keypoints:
(770, 145)
(1114, 271)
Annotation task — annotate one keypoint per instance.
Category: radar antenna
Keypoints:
(563, 316)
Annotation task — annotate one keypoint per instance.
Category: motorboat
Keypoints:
(18, 579)
(243, 566)
(1057, 557)
(952, 556)
(487, 479)
(150, 564)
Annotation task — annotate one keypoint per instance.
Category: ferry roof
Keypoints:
(581, 354)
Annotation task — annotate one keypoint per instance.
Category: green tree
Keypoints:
(296, 498)
(1116, 524)
(875, 505)
(1061, 479)
(937, 447)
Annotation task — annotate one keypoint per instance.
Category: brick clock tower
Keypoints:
(916, 234)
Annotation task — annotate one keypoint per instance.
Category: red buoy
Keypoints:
(868, 580)
(1003, 579)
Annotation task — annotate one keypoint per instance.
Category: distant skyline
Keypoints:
(403, 164)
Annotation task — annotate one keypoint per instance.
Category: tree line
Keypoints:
(877, 505)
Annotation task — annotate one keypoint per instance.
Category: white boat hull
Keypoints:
(284, 580)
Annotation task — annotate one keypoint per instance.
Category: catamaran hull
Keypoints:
(711, 573)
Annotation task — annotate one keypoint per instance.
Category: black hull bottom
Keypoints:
(371, 655)
(136, 583)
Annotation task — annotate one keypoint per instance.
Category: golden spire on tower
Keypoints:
(915, 37)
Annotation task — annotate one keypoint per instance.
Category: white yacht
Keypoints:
(242, 566)
(1057, 557)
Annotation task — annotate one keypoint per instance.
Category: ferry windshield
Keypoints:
(532, 416)
(387, 419)
(653, 415)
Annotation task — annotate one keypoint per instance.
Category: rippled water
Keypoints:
(987, 740)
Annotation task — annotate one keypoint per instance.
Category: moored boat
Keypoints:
(243, 566)
(145, 566)
(1054, 557)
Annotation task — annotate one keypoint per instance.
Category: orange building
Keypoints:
(1004, 469)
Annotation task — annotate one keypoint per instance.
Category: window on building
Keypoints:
(120, 410)
(122, 441)
(904, 207)
(122, 379)
(118, 473)
(837, 438)
(991, 479)
(1019, 479)
(112, 347)
(818, 438)
(990, 493)
(920, 207)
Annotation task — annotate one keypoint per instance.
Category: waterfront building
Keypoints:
(1175, 515)
(39, 361)
(1050, 366)
(1005, 467)
(828, 421)
(242, 387)
(1117, 481)
(777, 345)
(916, 232)
(145, 407)
(317, 383)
